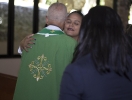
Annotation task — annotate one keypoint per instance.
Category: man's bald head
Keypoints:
(57, 13)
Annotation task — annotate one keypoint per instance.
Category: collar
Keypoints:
(52, 27)
(49, 31)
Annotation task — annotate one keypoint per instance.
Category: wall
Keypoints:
(10, 66)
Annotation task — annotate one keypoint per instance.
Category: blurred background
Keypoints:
(18, 18)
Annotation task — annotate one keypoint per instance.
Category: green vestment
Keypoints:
(42, 66)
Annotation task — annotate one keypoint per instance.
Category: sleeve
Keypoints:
(19, 51)
(71, 85)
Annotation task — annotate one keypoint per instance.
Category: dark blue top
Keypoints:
(81, 81)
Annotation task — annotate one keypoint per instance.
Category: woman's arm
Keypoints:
(25, 43)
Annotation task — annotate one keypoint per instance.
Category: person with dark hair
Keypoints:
(102, 67)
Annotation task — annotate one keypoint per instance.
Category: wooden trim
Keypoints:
(10, 42)
(6, 56)
(7, 86)
(8, 76)
(98, 2)
(35, 16)
(115, 5)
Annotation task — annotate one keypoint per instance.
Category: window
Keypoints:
(23, 18)
(3, 26)
(19, 18)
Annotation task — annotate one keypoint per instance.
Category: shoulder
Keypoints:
(84, 61)
(84, 64)
(64, 37)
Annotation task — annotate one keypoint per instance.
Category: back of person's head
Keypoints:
(102, 35)
(57, 13)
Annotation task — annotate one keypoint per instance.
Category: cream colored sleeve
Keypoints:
(19, 51)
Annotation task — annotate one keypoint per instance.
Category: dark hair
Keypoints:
(77, 12)
(102, 35)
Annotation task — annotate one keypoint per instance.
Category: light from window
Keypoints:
(130, 16)
(102, 2)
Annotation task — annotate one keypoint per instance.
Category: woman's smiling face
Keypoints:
(72, 25)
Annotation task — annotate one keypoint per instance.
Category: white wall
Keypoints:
(10, 66)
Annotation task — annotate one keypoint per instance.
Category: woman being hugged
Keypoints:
(101, 67)
(71, 28)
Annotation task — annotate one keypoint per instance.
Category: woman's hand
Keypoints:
(25, 43)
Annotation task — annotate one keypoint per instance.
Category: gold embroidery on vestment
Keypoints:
(40, 68)
(52, 31)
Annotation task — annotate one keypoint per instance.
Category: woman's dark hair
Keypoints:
(102, 35)
(78, 12)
